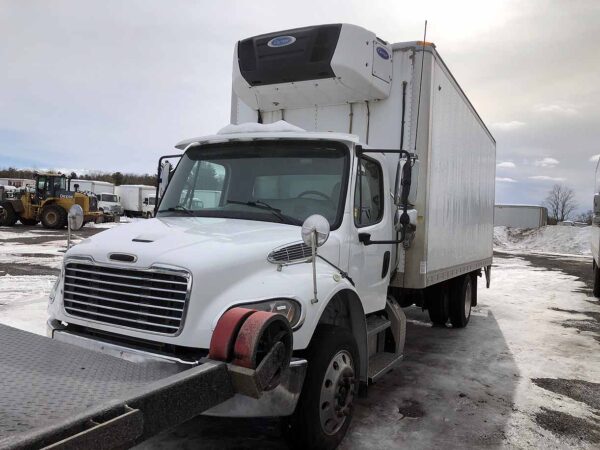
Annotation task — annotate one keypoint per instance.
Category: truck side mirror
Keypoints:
(596, 204)
(164, 177)
(403, 171)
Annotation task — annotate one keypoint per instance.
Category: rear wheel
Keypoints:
(54, 216)
(596, 279)
(461, 301)
(325, 408)
(438, 304)
(29, 222)
(8, 217)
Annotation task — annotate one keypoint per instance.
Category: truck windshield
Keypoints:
(108, 198)
(280, 181)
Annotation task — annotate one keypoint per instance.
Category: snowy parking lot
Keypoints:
(525, 373)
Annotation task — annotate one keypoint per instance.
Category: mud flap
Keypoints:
(488, 275)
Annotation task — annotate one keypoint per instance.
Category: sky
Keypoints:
(111, 85)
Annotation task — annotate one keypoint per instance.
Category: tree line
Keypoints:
(117, 178)
(561, 206)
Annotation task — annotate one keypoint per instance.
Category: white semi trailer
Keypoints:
(356, 179)
(138, 200)
(520, 216)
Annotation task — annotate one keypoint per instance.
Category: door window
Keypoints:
(368, 194)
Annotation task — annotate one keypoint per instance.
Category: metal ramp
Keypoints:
(61, 396)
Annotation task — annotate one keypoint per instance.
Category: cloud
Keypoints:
(556, 109)
(508, 126)
(546, 162)
(595, 158)
(507, 165)
(506, 180)
(546, 178)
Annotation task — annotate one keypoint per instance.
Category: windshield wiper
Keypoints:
(264, 205)
(189, 212)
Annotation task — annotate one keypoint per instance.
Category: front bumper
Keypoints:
(281, 401)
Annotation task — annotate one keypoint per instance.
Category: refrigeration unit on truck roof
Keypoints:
(327, 64)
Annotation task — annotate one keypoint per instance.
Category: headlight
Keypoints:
(288, 308)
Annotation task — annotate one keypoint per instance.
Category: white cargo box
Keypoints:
(457, 153)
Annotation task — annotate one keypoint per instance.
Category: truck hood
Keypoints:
(193, 243)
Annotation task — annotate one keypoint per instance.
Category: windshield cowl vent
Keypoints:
(290, 253)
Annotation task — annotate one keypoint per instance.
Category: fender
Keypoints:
(345, 309)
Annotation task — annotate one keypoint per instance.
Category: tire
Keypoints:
(596, 290)
(8, 217)
(148, 215)
(29, 222)
(438, 304)
(333, 364)
(461, 301)
(54, 217)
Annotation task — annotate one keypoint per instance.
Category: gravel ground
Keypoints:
(525, 373)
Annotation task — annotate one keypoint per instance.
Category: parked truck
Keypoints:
(356, 179)
(137, 200)
(109, 203)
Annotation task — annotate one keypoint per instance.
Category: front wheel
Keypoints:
(54, 217)
(325, 408)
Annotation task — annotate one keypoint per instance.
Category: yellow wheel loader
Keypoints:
(47, 202)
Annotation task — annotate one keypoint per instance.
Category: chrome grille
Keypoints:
(290, 253)
(152, 300)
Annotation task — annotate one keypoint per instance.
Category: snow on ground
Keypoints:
(23, 301)
(556, 240)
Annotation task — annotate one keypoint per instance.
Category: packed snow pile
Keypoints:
(549, 239)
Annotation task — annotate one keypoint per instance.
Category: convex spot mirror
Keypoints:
(75, 217)
(414, 178)
(315, 224)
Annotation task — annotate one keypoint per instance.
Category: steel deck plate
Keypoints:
(45, 383)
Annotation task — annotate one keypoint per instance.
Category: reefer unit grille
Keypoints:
(153, 300)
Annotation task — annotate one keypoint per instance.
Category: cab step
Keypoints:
(376, 324)
(382, 363)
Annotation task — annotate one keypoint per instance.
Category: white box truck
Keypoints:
(520, 216)
(108, 201)
(355, 179)
(138, 200)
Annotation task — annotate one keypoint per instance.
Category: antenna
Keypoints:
(420, 84)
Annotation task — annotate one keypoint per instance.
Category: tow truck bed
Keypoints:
(57, 395)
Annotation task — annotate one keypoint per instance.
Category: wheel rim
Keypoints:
(337, 392)
(468, 298)
(51, 217)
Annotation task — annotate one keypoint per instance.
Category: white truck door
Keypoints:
(369, 265)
